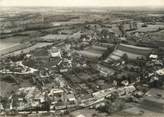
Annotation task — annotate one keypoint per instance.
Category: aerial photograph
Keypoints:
(81, 58)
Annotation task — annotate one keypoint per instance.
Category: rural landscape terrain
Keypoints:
(81, 62)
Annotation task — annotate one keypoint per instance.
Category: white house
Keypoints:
(55, 52)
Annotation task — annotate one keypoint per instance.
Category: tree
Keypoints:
(125, 57)
(121, 28)
(104, 33)
(106, 107)
(4, 101)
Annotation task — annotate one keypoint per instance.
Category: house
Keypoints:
(123, 39)
(33, 98)
(160, 72)
(55, 52)
(65, 64)
(104, 71)
(71, 100)
(153, 56)
(57, 94)
(1, 107)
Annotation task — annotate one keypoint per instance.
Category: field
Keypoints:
(129, 54)
(135, 49)
(93, 51)
(26, 50)
(157, 35)
(150, 28)
(12, 41)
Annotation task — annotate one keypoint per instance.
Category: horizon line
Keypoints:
(159, 6)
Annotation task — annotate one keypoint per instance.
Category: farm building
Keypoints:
(132, 52)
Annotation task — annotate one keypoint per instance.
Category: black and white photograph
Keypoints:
(81, 58)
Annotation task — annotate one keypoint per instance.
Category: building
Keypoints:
(57, 94)
(153, 56)
(55, 52)
(71, 100)
(104, 71)
(160, 72)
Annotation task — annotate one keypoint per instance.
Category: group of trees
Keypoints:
(111, 104)
(107, 52)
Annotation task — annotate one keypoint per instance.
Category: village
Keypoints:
(107, 67)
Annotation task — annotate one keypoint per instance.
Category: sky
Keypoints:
(81, 3)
